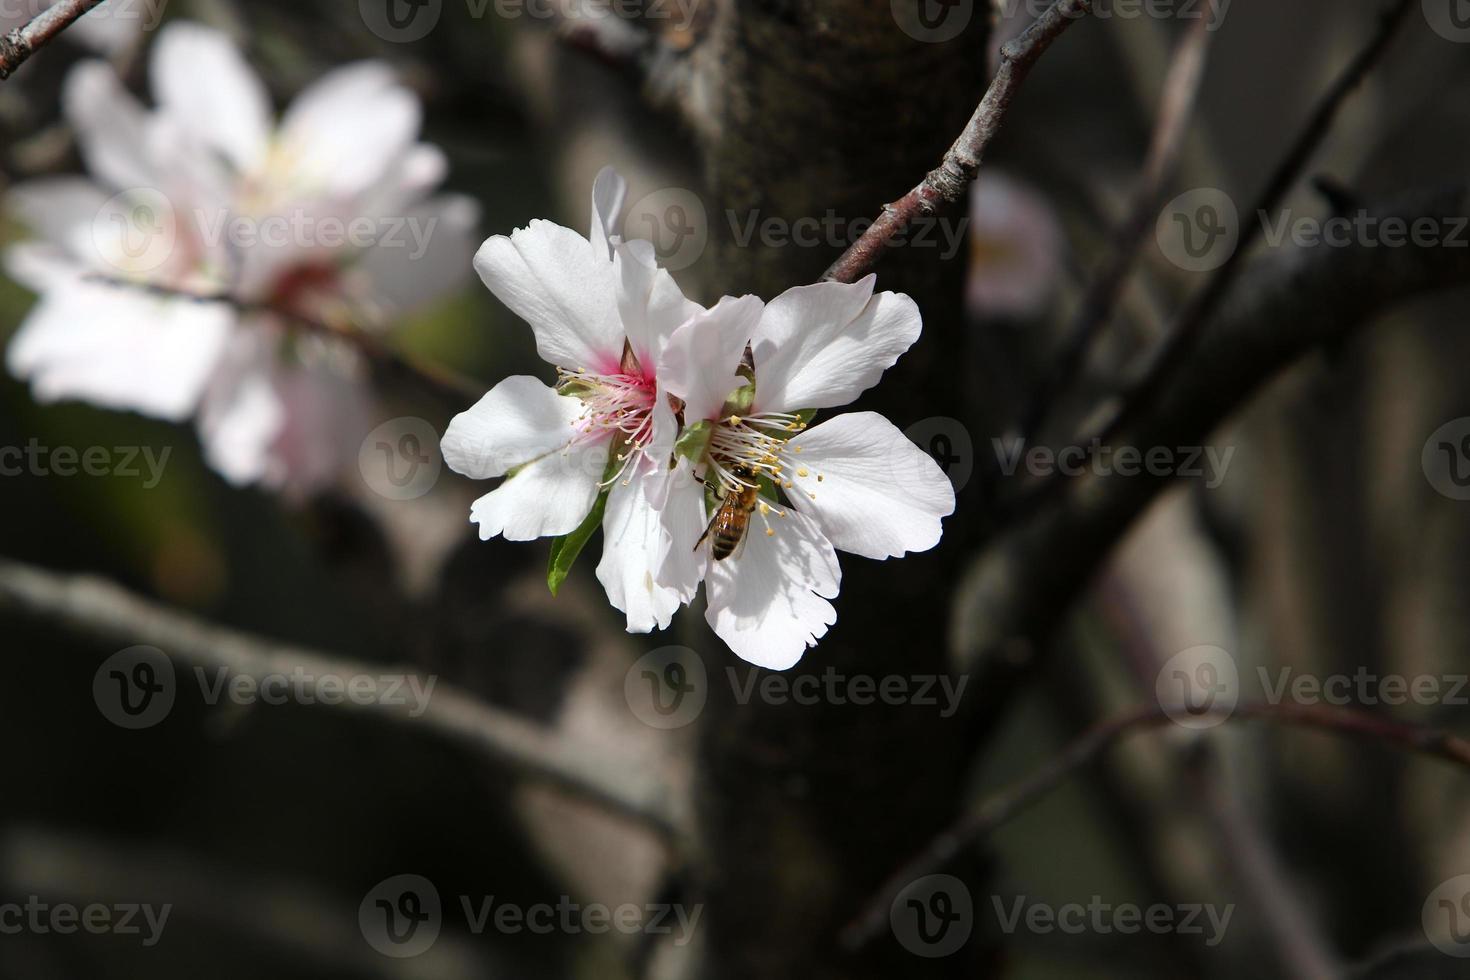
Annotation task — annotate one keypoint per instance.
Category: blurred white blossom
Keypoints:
(326, 216)
(1015, 248)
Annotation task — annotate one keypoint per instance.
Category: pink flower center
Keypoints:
(615, 406)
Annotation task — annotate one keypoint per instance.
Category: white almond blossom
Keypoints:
(326, 215)
(852, 483)
(601, 311)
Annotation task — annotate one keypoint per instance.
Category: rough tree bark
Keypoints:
(818, 107)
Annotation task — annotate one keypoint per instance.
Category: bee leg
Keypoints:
(707, 529)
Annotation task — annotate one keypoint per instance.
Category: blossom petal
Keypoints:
(519, 420)
(631, 538)
(201, 80)
(547, 497)
(410, 178)
(649, 300)
(61, 210)
(110, 126)
(677, 497)
(820, 346)
(350, 128)
(701, 358)
(553, 279)
(121, 349)
(879, 495)
(242, 413)
(40, 266)
(769, 603)
(427, 260)
(608, 191)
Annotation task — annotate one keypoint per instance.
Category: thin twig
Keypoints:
(1176, 109)
(100, 609)
(993, 812)
(947, 183)
(437, 381)
(25, 40)
(1182, 334)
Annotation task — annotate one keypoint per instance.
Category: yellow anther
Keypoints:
(802, 472)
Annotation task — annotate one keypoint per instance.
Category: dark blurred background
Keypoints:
(1326, 547)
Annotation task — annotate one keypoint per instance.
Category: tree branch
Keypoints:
(25, 40)
(1316, 297)
(994, 811)
(1176, 109)
(947, 183)
(1182, 334)
(99, 609)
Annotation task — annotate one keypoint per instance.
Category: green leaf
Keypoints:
(693, 441)
(739, 403)
(565, 549)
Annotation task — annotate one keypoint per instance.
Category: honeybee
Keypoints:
(726, 530)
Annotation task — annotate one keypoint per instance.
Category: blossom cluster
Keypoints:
(143, 309)
(690, 435)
